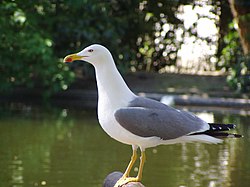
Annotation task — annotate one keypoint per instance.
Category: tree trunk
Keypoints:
(241, 13)
(226, 17)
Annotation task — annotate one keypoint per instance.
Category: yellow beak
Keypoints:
(72, 57)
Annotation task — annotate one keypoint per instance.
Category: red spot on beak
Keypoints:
(69, 59)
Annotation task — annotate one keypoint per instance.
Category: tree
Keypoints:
(238, 57)
(241, 13)
(27, 56)
(35, 35)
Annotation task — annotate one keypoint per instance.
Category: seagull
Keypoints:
(138, 121)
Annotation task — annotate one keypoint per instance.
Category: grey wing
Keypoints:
(166, 124)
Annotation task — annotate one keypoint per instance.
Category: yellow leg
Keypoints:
(130, 165)
(143, 158)
(125, 178)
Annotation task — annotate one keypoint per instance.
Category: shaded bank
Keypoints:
(179, 89)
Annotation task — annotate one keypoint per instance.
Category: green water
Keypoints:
(68, 148)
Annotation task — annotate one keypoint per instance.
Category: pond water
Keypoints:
(67, 148)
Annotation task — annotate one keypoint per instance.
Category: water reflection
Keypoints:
(55, 147)
(16, 169)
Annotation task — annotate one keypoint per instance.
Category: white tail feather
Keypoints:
(204, 139)
(193, 138)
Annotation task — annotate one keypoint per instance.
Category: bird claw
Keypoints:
(124, 180)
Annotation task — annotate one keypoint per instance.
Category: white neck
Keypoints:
(112, 89)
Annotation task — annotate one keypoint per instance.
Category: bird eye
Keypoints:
(90, 50)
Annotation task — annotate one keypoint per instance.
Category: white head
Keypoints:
(109, 81)
(94, 54)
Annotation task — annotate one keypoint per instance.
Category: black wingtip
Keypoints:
(221, 127)
(223, 135)
(217, 130)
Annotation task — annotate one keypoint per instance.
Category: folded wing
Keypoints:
(147, 118)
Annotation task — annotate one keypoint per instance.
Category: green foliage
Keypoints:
(27, 56)
(127, 28)
(236, 63)
(35, 35)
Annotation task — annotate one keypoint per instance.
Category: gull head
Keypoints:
(93, 54)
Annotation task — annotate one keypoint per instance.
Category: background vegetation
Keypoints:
(36, 35)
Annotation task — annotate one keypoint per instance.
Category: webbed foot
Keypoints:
(124, 180)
